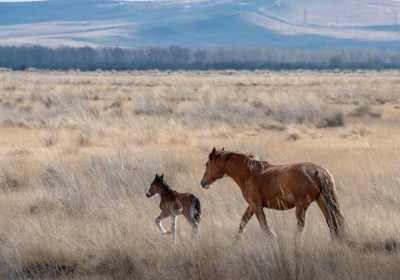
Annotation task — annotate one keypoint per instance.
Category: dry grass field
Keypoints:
(78, 151)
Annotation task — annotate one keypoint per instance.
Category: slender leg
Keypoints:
(194, 223)
(163, 215)
(174, 220)
(300, 215)
(245, 219)
(195, 229)
(263, 222)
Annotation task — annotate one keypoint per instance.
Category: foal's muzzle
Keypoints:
(204, 184)
(148, 194)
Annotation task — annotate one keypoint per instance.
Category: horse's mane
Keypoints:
(255, 165)
(252, 162)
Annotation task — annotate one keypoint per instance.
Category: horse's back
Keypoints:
(290, 183)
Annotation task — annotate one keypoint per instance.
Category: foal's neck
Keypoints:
(165, 190)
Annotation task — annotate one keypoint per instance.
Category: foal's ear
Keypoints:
(162, 177)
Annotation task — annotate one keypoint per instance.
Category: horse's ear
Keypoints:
(162, 177)
(223, 149)
(212, 154)
(156, 175)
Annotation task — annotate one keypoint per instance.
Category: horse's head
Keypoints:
(214, 168)
(155, 186)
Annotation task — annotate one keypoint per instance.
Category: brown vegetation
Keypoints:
(76, 164)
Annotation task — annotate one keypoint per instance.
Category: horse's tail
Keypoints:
(195, 210)
(329, 204)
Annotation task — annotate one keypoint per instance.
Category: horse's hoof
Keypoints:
(237, 239)
(166, 232)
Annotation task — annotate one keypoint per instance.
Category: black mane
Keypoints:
(166, 188)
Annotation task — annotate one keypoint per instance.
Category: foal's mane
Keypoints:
(166, 187)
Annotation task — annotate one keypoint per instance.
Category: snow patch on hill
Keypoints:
(202, 23)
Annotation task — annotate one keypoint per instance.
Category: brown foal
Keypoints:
(174, 204)
(280, 187)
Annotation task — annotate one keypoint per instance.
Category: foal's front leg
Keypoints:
(174, 220)
(163, 215)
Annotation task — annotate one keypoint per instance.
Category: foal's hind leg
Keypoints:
(193, 223)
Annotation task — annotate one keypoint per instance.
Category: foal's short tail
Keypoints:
(330, 205)
(195, 210)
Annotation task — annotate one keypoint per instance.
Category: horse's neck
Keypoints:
(238, 170)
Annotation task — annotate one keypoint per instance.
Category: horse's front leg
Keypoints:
(163, 215)
(245, 219)
(263, 222)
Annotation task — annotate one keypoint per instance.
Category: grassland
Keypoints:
(79, 149)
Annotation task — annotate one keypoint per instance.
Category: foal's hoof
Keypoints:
(238, 238)
(166, 232)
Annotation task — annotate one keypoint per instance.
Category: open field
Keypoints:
(79, 149)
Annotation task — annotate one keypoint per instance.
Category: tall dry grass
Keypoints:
(79, 149)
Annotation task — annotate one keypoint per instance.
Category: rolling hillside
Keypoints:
(202, 23)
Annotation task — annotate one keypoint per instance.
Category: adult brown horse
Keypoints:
(280, 187)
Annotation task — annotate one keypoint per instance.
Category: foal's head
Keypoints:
(214, 167)
(156, 186)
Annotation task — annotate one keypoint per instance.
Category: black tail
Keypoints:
(196, 210)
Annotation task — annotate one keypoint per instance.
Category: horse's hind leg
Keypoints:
(301, 216)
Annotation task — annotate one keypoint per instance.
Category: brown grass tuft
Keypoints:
(75, 167)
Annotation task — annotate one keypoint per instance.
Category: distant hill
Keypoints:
(202, 23)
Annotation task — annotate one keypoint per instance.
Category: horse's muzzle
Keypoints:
(204, 184)
(148, 194)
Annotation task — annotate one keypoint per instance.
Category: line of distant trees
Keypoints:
(174, 58)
